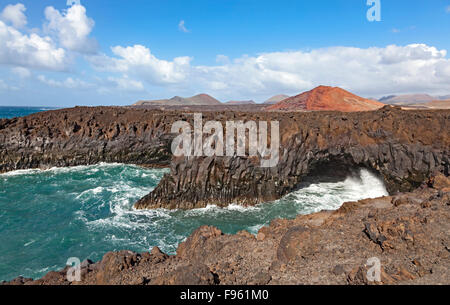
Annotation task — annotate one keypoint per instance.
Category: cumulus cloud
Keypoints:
(32, 50)
(182, 27)
(73, 2)
(21, 72)
(68, 83)
(222, 59)
(140, 62)
(108, 85)
(4, 86)
(126, 84)
(14, 14)
(368, 71)
(72, 27)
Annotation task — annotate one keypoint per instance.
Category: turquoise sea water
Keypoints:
(8, 112)
(47, 216)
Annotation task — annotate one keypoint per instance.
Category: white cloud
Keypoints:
(109, 85)
(366, 71)
(447, 9)
(222, 59)
(68, 83)
(72, 28)
(32, 50)
(126, 84)
(5, 86)
(73, 2)
(21, 72)
(140, 62)
(15, 15)
(182, 27)
(369, 71)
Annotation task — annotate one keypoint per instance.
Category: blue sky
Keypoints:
(117, 52)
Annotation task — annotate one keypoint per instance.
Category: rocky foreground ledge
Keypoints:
(409, 233)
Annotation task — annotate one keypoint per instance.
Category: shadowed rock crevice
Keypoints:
(197, 182)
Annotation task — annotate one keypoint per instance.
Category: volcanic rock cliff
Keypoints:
(407, 232)
(404, 147)
(82, 136)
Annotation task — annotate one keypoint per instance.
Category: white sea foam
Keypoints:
(29, 243)
(20, 172)
(72, 169)
(331, 195)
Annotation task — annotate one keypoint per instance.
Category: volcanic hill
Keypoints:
(326, 98)
(200, 99)
(277, 98)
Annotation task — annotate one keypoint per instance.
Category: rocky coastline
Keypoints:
(404, 147)
(408, 230)
(408, 233)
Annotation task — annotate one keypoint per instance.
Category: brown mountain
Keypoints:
(326, 98)
(277, 98)
(200, 99)
(204, 99)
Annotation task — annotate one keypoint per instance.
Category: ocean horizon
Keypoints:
(9, 112)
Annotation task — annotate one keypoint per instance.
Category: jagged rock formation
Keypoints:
(404, 147)
(82, 136)
(408, 234)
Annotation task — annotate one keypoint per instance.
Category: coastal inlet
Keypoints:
(47, 216)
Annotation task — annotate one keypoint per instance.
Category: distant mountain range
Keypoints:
(197, 100)
(320, 98)
(411, 99)
(436, 104)
(241, 103)
(326, 98)
(275, 99)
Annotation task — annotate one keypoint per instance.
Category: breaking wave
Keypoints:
(85, 211)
